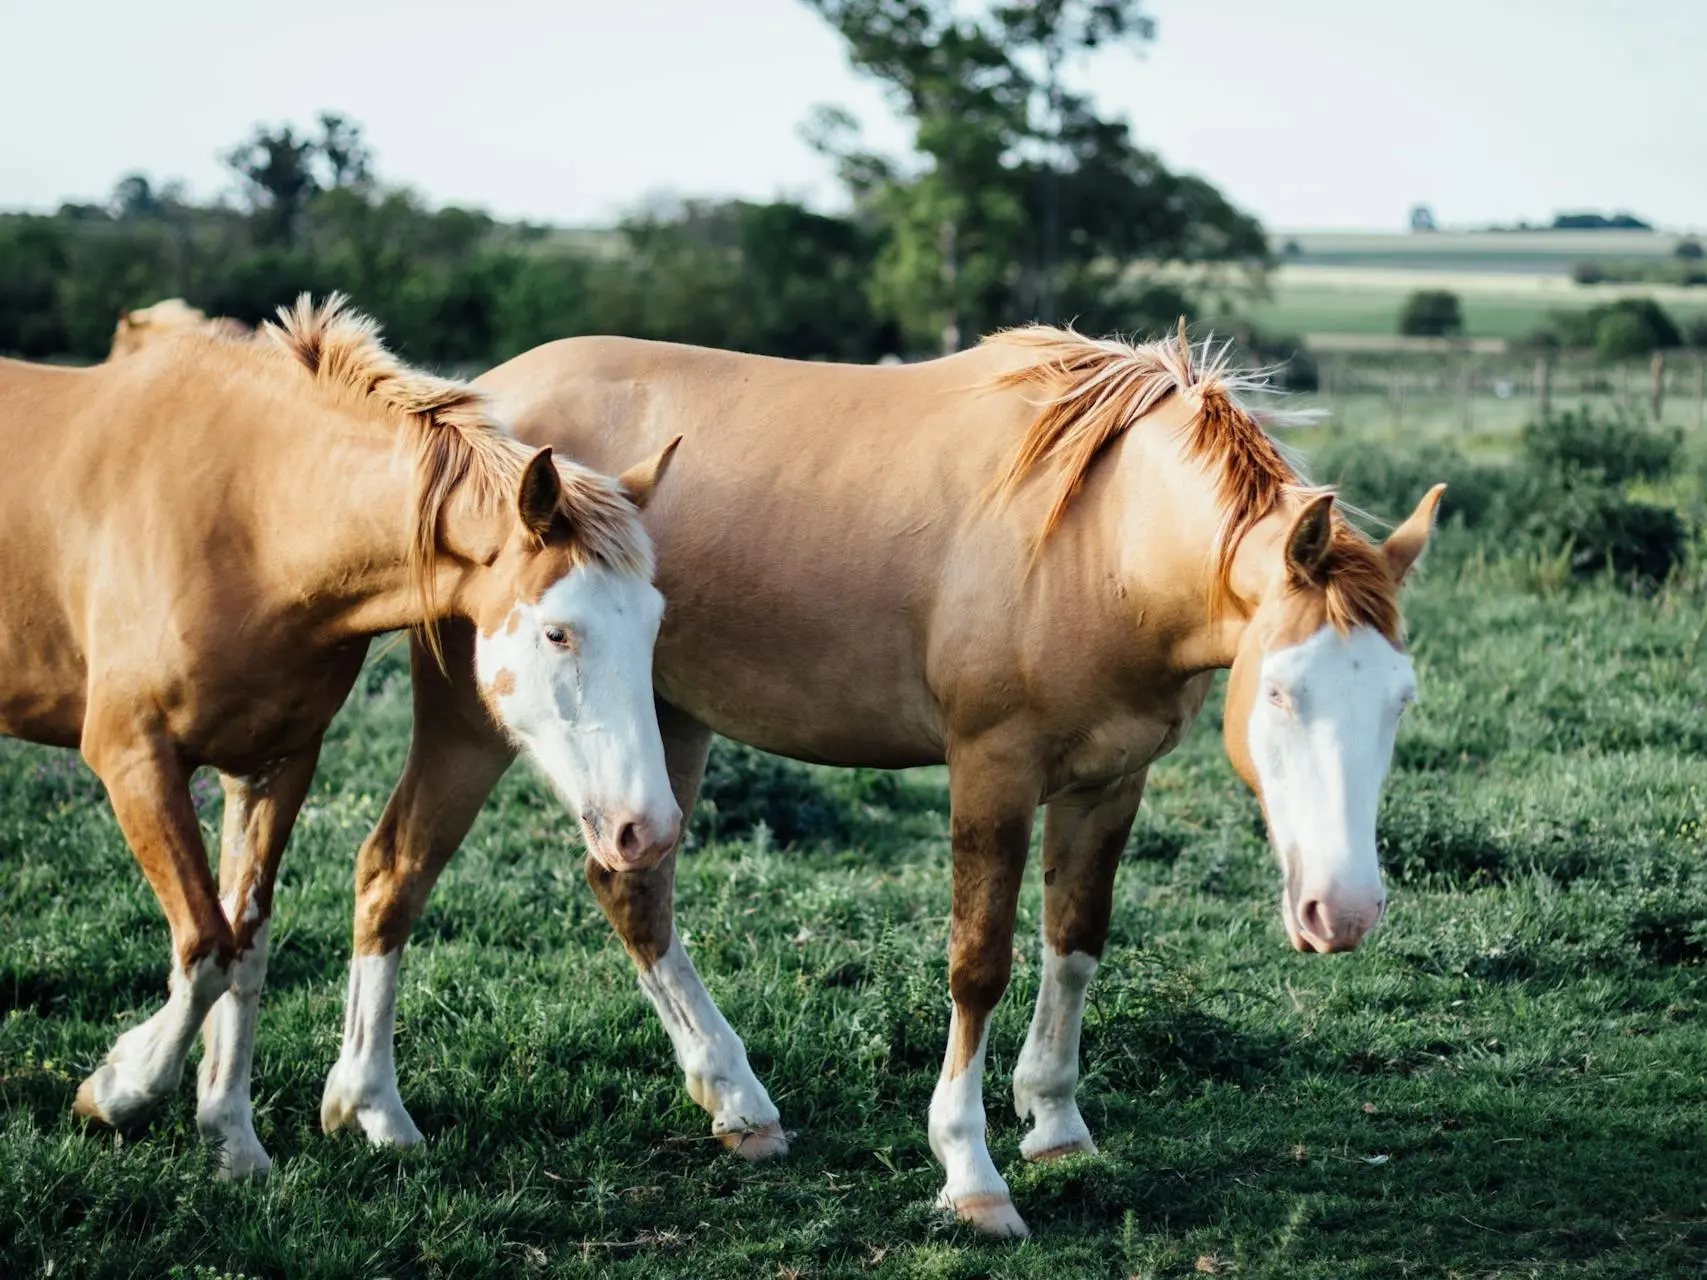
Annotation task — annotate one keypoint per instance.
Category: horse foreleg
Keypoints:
(641, 907)
(1082, 843)
(991, 819)
(149, 788)
(260, 811)
(456, 756)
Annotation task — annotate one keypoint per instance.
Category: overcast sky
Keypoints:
(1312, 113)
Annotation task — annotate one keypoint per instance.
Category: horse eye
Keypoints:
(1276, 696)
(558, 636)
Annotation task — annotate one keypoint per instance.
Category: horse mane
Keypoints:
(457, 443)
(1097, 389)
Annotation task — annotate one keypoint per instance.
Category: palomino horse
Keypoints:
(198, 542)
(1027, 560)
(144, 325)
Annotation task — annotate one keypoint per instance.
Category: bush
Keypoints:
(1388, 482)
(1431, 313)
(1688, 251)
(1614, 447)
(1588, 273)
(745, 787)
(1639, 542)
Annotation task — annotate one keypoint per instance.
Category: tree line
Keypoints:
(1017, 200)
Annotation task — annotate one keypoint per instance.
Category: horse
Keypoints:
(1026, 560)
(167, 318)
(198, 542)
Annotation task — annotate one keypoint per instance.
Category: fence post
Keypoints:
(1464, 396)
(1543, 372)
(1396, 393)
(1657, 391)
(1700, 392)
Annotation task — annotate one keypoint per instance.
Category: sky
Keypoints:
(1310, 114)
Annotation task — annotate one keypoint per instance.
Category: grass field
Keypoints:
(1306, 299)
(1509, 1080)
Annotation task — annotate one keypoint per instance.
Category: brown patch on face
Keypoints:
(989, 863)
(503, 684)
(514, 622)
(640, 906)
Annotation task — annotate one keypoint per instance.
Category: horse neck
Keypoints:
(1159, 515)
(366, 496)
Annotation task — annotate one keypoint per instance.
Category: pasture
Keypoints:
(1510, 1079)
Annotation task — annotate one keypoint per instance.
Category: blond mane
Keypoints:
(457, 443)
(1097, 389)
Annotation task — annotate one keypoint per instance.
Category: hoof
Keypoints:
(85, 1104)
(384, 1125)
(768, 1142)
(104, 1099)
(1060, 1150)
(243, 1165)
(994, 1216)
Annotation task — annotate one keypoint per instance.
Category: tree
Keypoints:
(1431, 313)
(1422, 218)
(1020, 199)
(347, 157)
(276, 168)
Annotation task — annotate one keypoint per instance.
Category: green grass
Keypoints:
(1509, 1080)
(1304, 300)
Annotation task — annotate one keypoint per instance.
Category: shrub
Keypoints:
(1387, 482)
(1640, 542)
(745, 787)
(1431, 313)
(1689, 251)
(1588, 273)
(1615, 447)
(1624, 332)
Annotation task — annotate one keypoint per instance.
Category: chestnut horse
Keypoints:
(1026, 560)
(198, 541)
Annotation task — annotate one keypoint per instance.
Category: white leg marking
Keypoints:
(1048, 1070)
(147, 1062)
(973, 1189)
(223, 1112)
(713, 1058)
(363, 1083)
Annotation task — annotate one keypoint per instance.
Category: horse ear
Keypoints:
(541, 492)
(640, 479)
(1406, 544)
(1308, 540)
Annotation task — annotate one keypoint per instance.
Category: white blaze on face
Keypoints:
(570, 678)
(1321, 738)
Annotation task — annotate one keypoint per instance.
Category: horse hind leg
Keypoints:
(641, 907)
(149, 789)
(259, 813)
(1082, 844)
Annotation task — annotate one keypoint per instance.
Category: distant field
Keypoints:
(1530, 252)
(1309, 299)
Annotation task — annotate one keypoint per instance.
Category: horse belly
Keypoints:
(802, 700)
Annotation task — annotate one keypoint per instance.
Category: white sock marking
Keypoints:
(147, 1062)
(223, 1111)
(1048, 1071)
(363, 1083)
(957, 1130)
(711, 1055)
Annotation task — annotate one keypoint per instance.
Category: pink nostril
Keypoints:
(1313, 919)
(628, 841)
